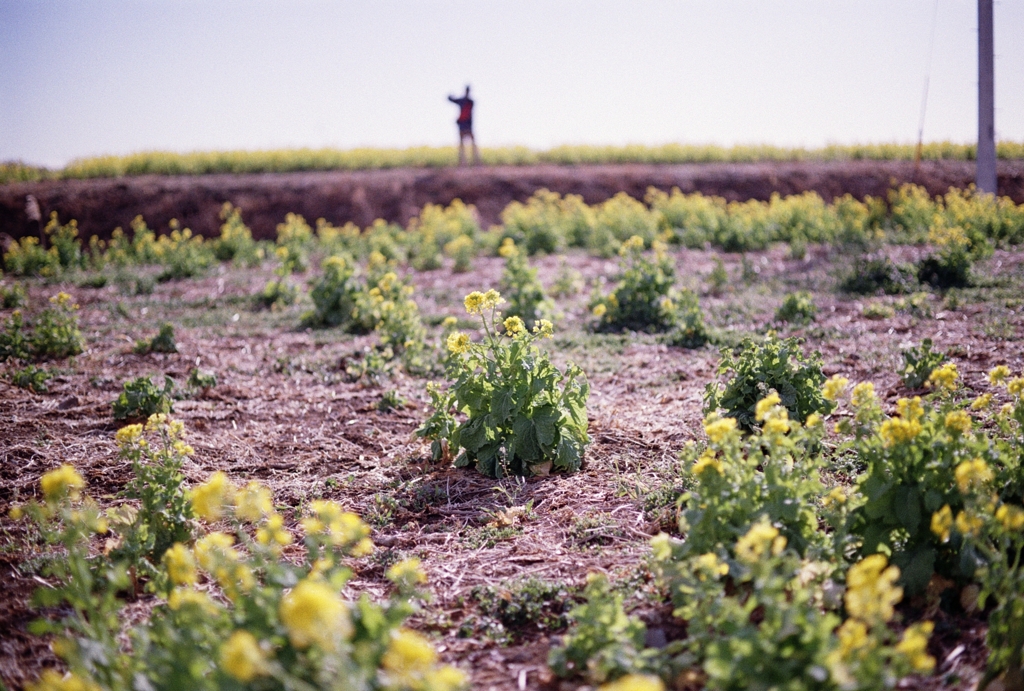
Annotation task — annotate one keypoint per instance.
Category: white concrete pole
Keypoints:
(986, 176)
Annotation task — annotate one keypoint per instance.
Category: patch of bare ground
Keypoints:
(285, 412)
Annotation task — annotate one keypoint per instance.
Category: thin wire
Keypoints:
(927, 79)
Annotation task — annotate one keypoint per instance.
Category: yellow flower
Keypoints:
(314, 614)
(340, 527)
(407, 572)
(599, 310)
(836, 496)
(944, 377)
(776, 426)
(898, 431)
(186, 597)
(967, 524)
(718, 428)
(544, 328)
(765, 405)
(914, 646)
(215, 554)
(273, 533)
(998, 374)
(242, 658)
(853, 637)
(1011, 517)
(709, 565)
(871, 591)
(474, 302)
(16, 512)
(52, 680)
(834, 387)
(972, 474)
(863, 394)
(458, 342)
(1015, 387)
(514, 326)
(707, 461)
(958, 422)
(813, 420)
(62, 482)
(508, 248)
(409, 656)
(449, 322)
(761, 539)
(128, 434)
(210, 498)
(181, 565)
(155, 421)
(253, 502)
(633, 244)
(634, 682)
(445, 678)
(910, 408)
(982, 402)
(942, 522)
(492, 298)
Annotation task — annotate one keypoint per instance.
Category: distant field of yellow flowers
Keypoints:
(292, 160)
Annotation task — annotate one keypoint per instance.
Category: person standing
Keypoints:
(465, 123)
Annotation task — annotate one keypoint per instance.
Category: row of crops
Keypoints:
(291, 160)
(788, 570)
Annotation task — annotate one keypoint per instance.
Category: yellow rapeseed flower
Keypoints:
(474, 302)
(1015, 387)
(187, 597)
(863, 394)
(834, 387)
(776, 426)
(910, 408)
(998, 374)
(408, 657)
(942, 522)
(634, 682)
(761, 539)
(128, 434)
(62, 482)
(242, 658)
(633, 244)
(544, 328)
(968, 525)
(180, 564)
(492, 298)
(958, 422)
(914, 646)
(709, 565)
(508, 248)
(898, 431)
(972, 475)
(314, 614)
(51, 680)
(457, 342)
(765, 405)
(514, 326)
(407, 572)
(210, 498)
(836, 496)
(445, 678)
(707, 461)
(871, 590)
(853, 638)
(449, 322)
(1011, 517)
(982, 402)
(718, 428)
(944, 377)
(273, 532)
(600, 310)
(253, 502)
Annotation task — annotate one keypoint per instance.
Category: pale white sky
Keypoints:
(90, 77)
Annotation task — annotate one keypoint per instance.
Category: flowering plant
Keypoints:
(522, 416)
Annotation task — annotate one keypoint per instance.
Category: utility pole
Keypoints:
(986, 158)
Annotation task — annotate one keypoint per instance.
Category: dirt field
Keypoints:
(284, 412)
(398, 195)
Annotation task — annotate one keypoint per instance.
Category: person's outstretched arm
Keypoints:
(456, 101)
